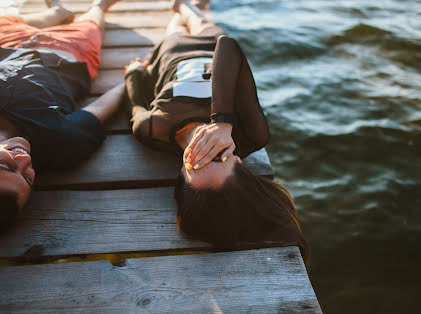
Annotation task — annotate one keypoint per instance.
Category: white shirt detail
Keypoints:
(192, 89)
(190, 81)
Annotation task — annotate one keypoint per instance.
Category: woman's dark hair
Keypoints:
(247, 208)
(8, 210)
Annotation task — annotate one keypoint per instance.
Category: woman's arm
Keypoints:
(210, 140)
(106, 105)
(227, 62)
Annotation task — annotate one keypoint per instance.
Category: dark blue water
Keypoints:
(340, 82)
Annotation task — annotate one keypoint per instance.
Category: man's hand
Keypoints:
(208, 141)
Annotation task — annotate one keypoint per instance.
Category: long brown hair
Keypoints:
(247, 208)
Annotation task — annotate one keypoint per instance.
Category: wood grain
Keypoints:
(106, 80)
(81, 7)
(138, 37)
(123, 160)
(256, 281)
(63, 223)
(140, 20)
(117, 58)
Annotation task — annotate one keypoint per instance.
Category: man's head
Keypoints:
(16, 172)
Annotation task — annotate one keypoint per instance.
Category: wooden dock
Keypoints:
(102, 237)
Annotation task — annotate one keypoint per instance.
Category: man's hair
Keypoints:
(246, 208)
(8, 210)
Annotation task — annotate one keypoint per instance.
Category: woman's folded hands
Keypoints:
(209, 141)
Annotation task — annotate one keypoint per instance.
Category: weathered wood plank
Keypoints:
(62, 223)
(106, 80)
(256, 281)
(117, 58)
(123, 160)
(137, 20)
(139, 37)
(81, 7)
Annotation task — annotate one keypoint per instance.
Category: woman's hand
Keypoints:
(134, 64)
(207, 142)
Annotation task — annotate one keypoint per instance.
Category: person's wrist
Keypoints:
(222, 117)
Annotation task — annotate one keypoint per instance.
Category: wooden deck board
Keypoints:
(81, 7)
(256, 281)
(137, 37)
(124, 160)
(106, 80)
(133, 20)
(63, 223)
(117, 58)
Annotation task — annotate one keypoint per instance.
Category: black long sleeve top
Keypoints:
(188, 79)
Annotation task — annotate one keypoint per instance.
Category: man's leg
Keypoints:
(54, 15)
(194, 18)
(97, 11)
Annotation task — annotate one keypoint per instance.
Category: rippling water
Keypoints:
(340, 82)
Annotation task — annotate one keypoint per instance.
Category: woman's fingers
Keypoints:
(205, 151)
(227, 154)
(190, 149)
(206, 143)
(198, 133)
(213, 152)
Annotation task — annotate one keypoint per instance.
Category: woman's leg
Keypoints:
(176, 25)
(54, 15)
(193, 17)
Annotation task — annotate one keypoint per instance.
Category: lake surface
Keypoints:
(340, 83)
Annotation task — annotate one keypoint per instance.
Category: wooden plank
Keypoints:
(122, 160)
(138, 37)
(81, 7)
(141, 20)
(255, 281)
(117, 58)
(63, 223)
(119, 124)
(106, 80)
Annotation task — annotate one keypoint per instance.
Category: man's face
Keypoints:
(16, 172)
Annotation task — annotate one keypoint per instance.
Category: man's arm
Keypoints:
(106, 105)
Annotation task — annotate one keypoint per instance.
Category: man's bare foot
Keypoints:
(104, 4)
(201, 4)
(62, 15)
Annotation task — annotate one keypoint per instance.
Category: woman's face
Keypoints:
(211, 176)
(16, 172)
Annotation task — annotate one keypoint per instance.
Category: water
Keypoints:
(340, 83)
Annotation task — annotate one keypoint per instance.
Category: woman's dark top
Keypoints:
(38, 95)
(188, 79)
